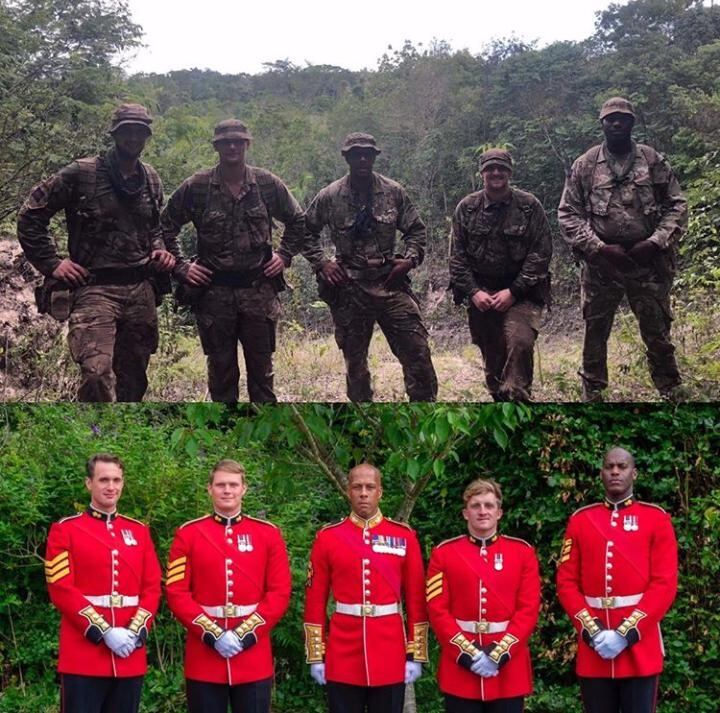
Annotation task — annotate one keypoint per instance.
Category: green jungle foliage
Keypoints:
(546, 457)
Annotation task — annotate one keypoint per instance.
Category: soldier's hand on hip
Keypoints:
(70, 272)
(120, 641)
(334, 274)
(644, 252)
(198, 275)
(502, 301)
(274, 266)
(317, 671)
(401, 267)
(482, 300)
(228, 645)
(617, 257)
(162, 260)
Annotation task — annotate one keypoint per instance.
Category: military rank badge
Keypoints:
(244, 543)
(387, 544)
(129, 538)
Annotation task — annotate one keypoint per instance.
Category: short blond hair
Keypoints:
(480, 486)
(229, 466)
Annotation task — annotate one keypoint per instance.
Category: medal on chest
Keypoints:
(498, 561)
(129, 538)
(630, 523)
(244, 543)
(387, 544)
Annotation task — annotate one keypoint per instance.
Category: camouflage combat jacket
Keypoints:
(336, 207)
(233, 233)
(605, 202)
(504, 245)
(105, 229)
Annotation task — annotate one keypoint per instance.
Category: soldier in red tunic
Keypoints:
(616, 579)
(369, 564)
(104, 577)
(228, 582)
(483, 595)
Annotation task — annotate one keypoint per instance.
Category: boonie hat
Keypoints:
(130, 114)
(359, 140)
(496, 157)
(616, 105)
(231, 129)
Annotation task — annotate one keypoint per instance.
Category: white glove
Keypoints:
(413, 671)
(120, 641)
(484, 666)
(609, 643)
(317, 671)
(228, 644)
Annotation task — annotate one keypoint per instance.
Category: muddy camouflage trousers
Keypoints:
(355, 312)
(507, 341)
(226, 316)
(113, 330)
(649, 297)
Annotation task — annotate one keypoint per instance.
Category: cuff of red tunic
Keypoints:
(468, 650)
(590, 627)
(98, 625)
(500, 653)
(628, 629)
(246, 630)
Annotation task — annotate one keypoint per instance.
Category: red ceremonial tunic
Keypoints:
(365, 564)
(493, 584)
(224, 562)
(623, 550)
(98, 555)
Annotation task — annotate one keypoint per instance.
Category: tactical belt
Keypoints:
(613, 602)
(112, 600)
(230, 610)
(239, 278)
(119, 275)
(367, 609)
(369, 273)
(482, 627)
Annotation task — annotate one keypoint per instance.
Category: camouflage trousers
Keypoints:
(649, 298)
(355, 311)
(113, 330)
(507, 341)
(226, 316)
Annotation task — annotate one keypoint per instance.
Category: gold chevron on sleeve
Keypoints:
(175, 578)
(49, 564)
(58, 576)
(176, 562)
(434, 579)
(434, 586)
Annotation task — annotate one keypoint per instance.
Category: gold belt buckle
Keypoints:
(229, 610)
(481, 627)
(608, 602)
(368, 610)
(116, 600)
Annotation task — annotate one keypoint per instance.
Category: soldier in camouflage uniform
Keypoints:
(622, 212)
(366, 281)
(499, 265)
(112, 206)
(236, 273)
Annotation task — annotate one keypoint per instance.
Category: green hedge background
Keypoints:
(546, 457)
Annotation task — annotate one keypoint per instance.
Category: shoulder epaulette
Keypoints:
(652, 505)
(190, 522)
(397, 522)
(451, 539)
(517, 539)
(70, 517)
(132, 519)
(586, 507)
(264, 522)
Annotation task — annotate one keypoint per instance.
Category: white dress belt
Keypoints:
(613, 602)
(482, 627)
(230, 610)
(367, 609)
(112, 600)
